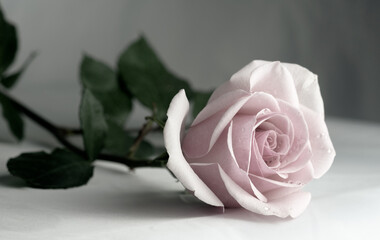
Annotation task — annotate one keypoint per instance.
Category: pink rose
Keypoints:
(259, 140)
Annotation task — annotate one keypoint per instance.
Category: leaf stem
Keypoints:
(60, 133)
(147, 127)
(160, 123)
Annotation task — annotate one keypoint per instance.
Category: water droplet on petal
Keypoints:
(329, 150)
(266, 208)
(321, 135)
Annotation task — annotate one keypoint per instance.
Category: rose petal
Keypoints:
(276, 121)
(242, 132)
(261, 139)
(239, 80)
(321, 145)
(222, 103)
(276, 80)
(257, 164)
(283, 144)
(307, 87)
(209, 172)
(294, 166)
(276, 183)
(291, 205)
(281, 192)
(202, 137)
(301, 132)
(304, 175)
(276, 187)
(279, 145)
(258, 194)
(223, 155)
(262, 76)
(177, 112)
(299, 179)
(260, 101)
(230, 145)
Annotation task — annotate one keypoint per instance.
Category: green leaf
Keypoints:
(13, 118)
(96, 75)
(102, 81)
(116, 105)
(118, 142)
(200, 101)
(146, 77)
(10, 80)
(60, 169)
(93, 123)
(8, 43)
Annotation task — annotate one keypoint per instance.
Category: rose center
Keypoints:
(272, 140)
(273, 146)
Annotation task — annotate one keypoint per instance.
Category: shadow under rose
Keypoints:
(8, 180)
(137, 206)
(146, 199)
(159, 206)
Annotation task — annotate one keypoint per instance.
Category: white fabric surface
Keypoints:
(150, 204)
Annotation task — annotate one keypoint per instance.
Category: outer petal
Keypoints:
(277, 187)
(262, 76)
(291, 205)
(276, 80)
(177, 112)
(308, 91)
(321, 145)
(239, 80)
(210, 173)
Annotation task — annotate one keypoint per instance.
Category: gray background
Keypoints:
(203, 41)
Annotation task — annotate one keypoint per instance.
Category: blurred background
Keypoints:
(202, 41)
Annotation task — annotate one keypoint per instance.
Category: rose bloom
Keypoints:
(259, 140)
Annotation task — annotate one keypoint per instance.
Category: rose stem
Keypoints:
(60, 133)
(68, 131)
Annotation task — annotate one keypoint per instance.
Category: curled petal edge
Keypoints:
(177, 163)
